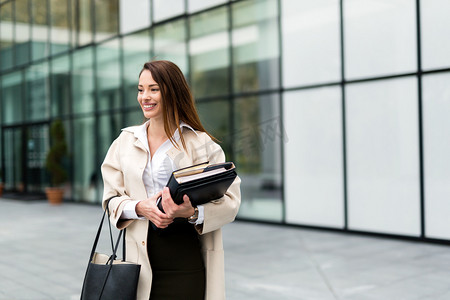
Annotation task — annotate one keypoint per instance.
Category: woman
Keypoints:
(183, 258)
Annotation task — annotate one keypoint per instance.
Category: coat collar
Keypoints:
(140, 133)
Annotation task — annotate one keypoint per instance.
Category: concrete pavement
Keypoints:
(44, 251)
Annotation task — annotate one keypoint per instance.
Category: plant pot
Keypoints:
(54, 195)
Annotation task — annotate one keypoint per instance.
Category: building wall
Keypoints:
(335, 112)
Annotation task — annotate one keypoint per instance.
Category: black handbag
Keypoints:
(107, 277)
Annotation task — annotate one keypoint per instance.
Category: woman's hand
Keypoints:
(147, 208)
(184, 210)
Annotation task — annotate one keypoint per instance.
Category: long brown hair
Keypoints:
(177, 100)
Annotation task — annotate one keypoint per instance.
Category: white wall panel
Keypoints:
(436, 139)
(435, 30)
(380, 37)
(311, 42)
(313, 157)
(383, 156)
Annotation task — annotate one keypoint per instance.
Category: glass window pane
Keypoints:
(109, 129)
(106, 17)
(60, 30)
(85, 175)
(37, 100)
(436, 143)
(22, 32)
(170, 43)
(196, 5)
(215, 117)
(12, 97)
(60, 85)
(39, 29)
(209, 51)
(108, 75)
(136, 52)
(380, 37)
(316, 24)
(134, 15)
(134, 117)
(255, 45)
(257, 153)
(83, 88)
(435, 30)
(84, 24)
(383, 156)
(313, 157)
(164, 9)
(6, 36)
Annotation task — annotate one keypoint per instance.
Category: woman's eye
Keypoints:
(155, 90)
(140, 90)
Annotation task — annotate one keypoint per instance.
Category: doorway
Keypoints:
(25, 148)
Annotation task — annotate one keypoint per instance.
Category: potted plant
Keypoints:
(54, 162)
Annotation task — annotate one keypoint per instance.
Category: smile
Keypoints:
(148, 106)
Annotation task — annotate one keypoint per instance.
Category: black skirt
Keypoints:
(177, 263)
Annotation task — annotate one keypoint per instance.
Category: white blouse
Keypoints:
(158, 169)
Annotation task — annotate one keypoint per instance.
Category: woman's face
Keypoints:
(149, 96)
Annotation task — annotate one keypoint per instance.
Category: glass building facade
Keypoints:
(335, 111)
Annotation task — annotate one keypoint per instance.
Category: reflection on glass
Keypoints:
(84, 24)
(170, 43)
(209, 42)
(106, 17)
(108, 75)
(109, 130)
(435, 28)
(257, 153)
(436, 109)
(164, 9)
(22, 32)
(39, 29)
(36, 151)
(83, 81)
(6, 36)
(311, 42)
(255, 45)
(60, 85)
(134, 117)
(59, 32)
(196, 5)
(215, 117)
(12, 97)
(134, 15)
(136, 52)
(13, 167)
(36, 104)
(380, 37)
(85, 173)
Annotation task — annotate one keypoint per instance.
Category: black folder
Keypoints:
(202, 183)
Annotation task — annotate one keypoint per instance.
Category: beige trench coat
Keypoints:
(122, 172)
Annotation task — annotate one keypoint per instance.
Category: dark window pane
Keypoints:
(209, 51)
(257, 150)
(106, 17)
(255, 46)
(108, 75)
(60, 85)
(83, 81)
(37, 100)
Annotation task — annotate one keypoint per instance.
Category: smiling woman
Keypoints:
(135, 171)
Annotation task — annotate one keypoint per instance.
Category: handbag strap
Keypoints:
(97, 237)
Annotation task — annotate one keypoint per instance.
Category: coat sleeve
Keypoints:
(223, 210)
(113, 186)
